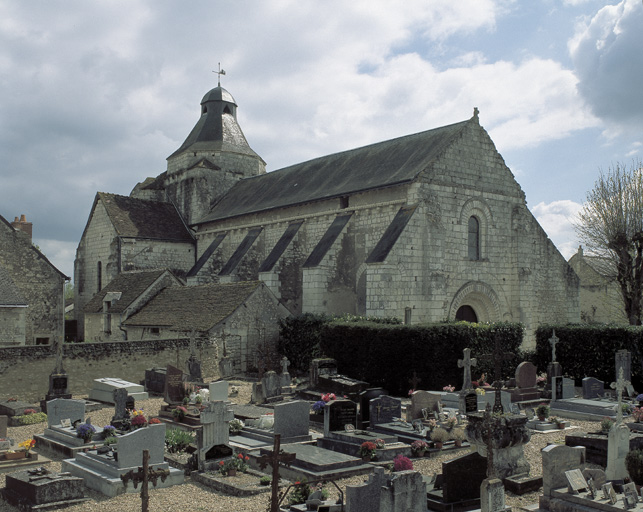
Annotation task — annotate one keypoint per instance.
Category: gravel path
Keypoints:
(192, 496)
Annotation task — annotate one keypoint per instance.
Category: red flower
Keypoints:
(240, 456)
(221, 463)
(247, 458)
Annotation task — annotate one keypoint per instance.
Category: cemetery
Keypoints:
(326, 441)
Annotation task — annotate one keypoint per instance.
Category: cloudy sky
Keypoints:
(96, 95)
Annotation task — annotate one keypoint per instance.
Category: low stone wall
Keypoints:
(25, 370)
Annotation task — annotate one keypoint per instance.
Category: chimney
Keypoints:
(23, 225)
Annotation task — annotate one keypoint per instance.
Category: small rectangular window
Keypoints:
(343, 202)
(42, 341)
(155, 330)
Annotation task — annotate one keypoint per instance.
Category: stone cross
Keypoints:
(284, 364)
(145, 475)
(619, 385)
(553, 341)
(414, 381)
(274, 458)
(497, 356)
(467, 362)
(488, 425)
(59, 356)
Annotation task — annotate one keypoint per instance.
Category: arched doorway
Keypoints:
(466, 314)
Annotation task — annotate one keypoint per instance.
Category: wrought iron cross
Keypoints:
(553, 341)
(467, 362)
(414, 381)
(145, 475)
(220, 72)
(488, 425)
(497, 356)
(274, 458)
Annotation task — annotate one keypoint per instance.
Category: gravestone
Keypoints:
(576, 482)
(422, 400)
(596, 475)
(618, 445)
(285, 379)
(120, 407)
(400, 491)
(271, 384)
(623, 359)
(226, 368)
(215, 432)
(505, 399)
(556, 459)
(174, 387)
(194, 369)
(219, 391)
(338, 414)
(155, 380)
(462, 477)
(562, 388)
(63, 408)
(553, 370)
(526, 388)
(292, 419)
(322, 367)
(469, 402)
(4, 420)
(384, 409)
(41, 489)
(593, 388)
(58, 379)
(492, 495)
(466, 363)
(365, 398)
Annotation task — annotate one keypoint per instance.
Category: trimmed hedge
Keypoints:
(30, 419)
(387, 355)
(589, 350)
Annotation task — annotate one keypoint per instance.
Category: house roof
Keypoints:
(9, 293)
(193, 307)
(132, 284)
(384, 164)
(141, 218)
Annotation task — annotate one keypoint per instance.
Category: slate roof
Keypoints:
(141, 218)
(131, 284)
(9, 293)
(194, 307)
(384, 164)
(217, 130)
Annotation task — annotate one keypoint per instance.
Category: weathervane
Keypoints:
(220, 72)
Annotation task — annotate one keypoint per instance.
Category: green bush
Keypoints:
(299, 339)
(386, 355)
(177, 440)
(588, 350)
(265, 480)
(31, 419)
(634, 465)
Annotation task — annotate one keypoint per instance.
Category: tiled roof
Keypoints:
(385, 164)
(193, 307)
(9, 293)
(144, 219)
(131, 284)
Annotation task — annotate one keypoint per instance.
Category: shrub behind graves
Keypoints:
(588, 350)
(299, 339)
(386, 355)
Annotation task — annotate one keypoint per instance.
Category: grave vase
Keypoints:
(232, 472)
(438, 444)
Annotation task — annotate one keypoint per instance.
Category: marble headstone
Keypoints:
(384, 409)
(292, 419)
(219, 391)
(65, 408)
(593, 388)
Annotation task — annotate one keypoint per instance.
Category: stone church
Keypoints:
(426, 227)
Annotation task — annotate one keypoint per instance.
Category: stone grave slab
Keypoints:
(593, 388)
(403, 490)
(16, 408)
(583, 409)
(103, 390)
(492, 495)
(350, 442)
(526, 389)
(314, 462)
(364, 402)
(62, 408)
(102, 473)
(403, 431)
(556, 460)
(562, 388)
(458, 487)
(40, 489)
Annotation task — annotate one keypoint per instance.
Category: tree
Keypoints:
(610, 225)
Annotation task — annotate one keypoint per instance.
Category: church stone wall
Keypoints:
(12, 326)
(153, 254)
(98, 244)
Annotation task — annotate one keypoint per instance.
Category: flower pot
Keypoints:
(15, 455)
(232, 472)
(32, 456)
(366, 458)
(561, 426)
(438, 445)
(458, 443)
(541, 418)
